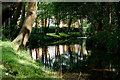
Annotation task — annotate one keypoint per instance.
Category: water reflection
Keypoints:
(74, 61)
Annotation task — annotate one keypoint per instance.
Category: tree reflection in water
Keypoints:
(73, 61)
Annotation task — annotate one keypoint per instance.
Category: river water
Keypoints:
(74, 61)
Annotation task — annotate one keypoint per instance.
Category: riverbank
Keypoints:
(50, 38)
(20, 65)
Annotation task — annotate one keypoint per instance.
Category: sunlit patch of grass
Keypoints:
(53, 35)
(63, 34)
(20, 65)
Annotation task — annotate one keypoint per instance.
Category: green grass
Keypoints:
(53, 35)
(20, 65)
(70, 34)
(58, 36)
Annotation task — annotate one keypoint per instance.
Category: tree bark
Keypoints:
(23, 16)
(81, 21)
(36, 54)
(42, 23)
(24, 34)
(70, 21)
(49, 22)
(57, 28)
(45, 26)
(109, 14)
(100, 20)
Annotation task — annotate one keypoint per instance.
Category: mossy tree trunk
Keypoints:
(24, 34)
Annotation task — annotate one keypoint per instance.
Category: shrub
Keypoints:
(107, 39)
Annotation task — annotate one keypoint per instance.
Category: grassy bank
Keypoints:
(20, 65)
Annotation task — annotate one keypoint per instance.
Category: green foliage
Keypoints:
(11, 34)
(51, 29)
(20, 64)
(107, 40)
(46, 9)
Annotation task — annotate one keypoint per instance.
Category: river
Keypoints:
(73, 60)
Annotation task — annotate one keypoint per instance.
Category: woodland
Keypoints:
(64, 40)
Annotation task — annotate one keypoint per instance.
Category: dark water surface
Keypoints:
(73, 60)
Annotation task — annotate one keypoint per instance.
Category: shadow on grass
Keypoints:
(19, 64)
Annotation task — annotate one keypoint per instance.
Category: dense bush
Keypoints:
(11, 33)
(36, 40)
(106, 40)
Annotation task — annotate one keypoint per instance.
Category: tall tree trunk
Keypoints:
(36, 54)
(45, 26)
(81, 21)
(24, 34)
(43, 54)
(49, 22)
(57, 50)
(22, 16)
(109, 14)
(100, 20)
(57, 28)
(42, 23)
(70, 21)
